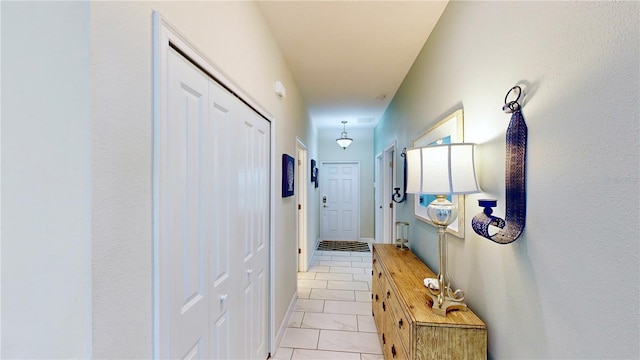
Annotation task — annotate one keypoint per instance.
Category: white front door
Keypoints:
(340, 183)
(213, 211)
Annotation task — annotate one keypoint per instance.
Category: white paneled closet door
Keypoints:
(214, 221)
(183, 206)
(251, 237)
(223, 311)
(242, 221)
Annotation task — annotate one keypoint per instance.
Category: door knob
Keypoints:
(249, 271)
(223, 297)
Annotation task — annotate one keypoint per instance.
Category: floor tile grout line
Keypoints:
(355, 268)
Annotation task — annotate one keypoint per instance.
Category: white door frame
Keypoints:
(323, 184)
(301, 196)
(164, 35)
(388, 181)
(378, 199)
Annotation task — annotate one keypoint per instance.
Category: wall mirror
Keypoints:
(446, 131)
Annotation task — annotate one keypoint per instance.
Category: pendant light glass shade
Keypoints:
(344, 141)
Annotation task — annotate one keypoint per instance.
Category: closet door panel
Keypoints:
(243, 162)
(187, 299)
(253, 148)
(224, 274)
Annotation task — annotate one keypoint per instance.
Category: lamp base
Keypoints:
(441, 304)
(442, 212)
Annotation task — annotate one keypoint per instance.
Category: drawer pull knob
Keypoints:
(388, 294)
(400, 324)
(379, 274)
(383, 341)
(383, 307)
(376, 297)
(393, 350)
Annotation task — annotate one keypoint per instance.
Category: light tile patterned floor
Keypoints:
(332, 316)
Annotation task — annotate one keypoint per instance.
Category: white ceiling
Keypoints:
(344, 55)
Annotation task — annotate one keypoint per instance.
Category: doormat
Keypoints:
(357, 246)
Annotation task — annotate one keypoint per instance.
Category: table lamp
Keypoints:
(442, 170)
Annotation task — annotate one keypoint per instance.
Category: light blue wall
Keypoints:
(568, 288)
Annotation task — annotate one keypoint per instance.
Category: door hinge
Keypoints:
(299, 207)
(299, 162)
(299, 251)
(390, 205)
(391, 164)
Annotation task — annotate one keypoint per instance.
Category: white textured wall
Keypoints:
(361, 149)
(235, 37)
(569, 287)
(46, 182)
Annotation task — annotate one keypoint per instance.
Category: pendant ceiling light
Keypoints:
(343, 140)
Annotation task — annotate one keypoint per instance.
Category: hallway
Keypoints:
(332, 316)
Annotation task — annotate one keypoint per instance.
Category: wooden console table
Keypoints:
(407, 327)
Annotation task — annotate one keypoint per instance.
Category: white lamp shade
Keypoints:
(442, 170)
(344, 142)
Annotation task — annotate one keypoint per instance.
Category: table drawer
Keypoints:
(402, 323)
(393, 348)
(377, 296)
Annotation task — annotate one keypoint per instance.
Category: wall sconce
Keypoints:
(343, 140)
(442, 170)
(515, 175)
(396, 194)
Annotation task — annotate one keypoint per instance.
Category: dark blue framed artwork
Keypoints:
(313, 170)
(315, 175)
(288, 168)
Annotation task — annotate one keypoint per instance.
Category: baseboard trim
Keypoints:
(368, 240)
(285, 321)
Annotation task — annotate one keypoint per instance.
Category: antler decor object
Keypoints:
(515, 175)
